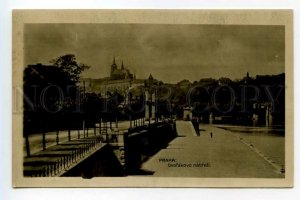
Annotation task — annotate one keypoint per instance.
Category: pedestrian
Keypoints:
(211, 135)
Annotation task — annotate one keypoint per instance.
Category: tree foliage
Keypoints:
(69, 64)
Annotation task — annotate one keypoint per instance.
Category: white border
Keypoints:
(6, 191)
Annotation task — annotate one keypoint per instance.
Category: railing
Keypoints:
(49, 160)
(66, 162)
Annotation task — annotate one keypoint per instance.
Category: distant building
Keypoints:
(224, 81)
(184, 84)
(187, 113)
(247, 79)
(120, 74)
(120, 80)
(208, 81)
(151, 81)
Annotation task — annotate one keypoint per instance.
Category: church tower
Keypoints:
(122, 67)
(113, 67)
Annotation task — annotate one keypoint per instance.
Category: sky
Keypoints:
(169, 52)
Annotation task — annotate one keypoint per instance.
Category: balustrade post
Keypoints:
(44, 140)
(69, 134)
(57, 137)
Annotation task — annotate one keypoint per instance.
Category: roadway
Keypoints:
(215, 153)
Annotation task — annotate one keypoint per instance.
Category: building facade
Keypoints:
(120, 80)
(120, 74)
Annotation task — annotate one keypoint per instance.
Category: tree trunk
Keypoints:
(27, 145)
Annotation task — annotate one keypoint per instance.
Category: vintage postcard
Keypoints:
(152, 98)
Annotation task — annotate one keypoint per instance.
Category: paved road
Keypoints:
(36, 144)
(185, 128)
(222, 155)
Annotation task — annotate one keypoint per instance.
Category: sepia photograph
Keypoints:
(152, 99)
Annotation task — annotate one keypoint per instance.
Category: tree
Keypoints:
(41, 83)
(47, 82)
(225, 81)
(69, 64)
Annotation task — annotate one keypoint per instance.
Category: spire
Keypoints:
(113, 67)
(114, 61)
(150, 77)
(122, 65)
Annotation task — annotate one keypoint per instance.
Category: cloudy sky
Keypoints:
(169, 52)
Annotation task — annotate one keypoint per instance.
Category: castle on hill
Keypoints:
(120, 80)
(120, 74)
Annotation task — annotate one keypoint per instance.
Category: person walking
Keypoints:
(211, 135)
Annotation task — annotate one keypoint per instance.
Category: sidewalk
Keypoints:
(222, 155)
(57, 159)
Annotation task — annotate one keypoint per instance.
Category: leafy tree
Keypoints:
(69, 64)
(225, 81)
(47, 82)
